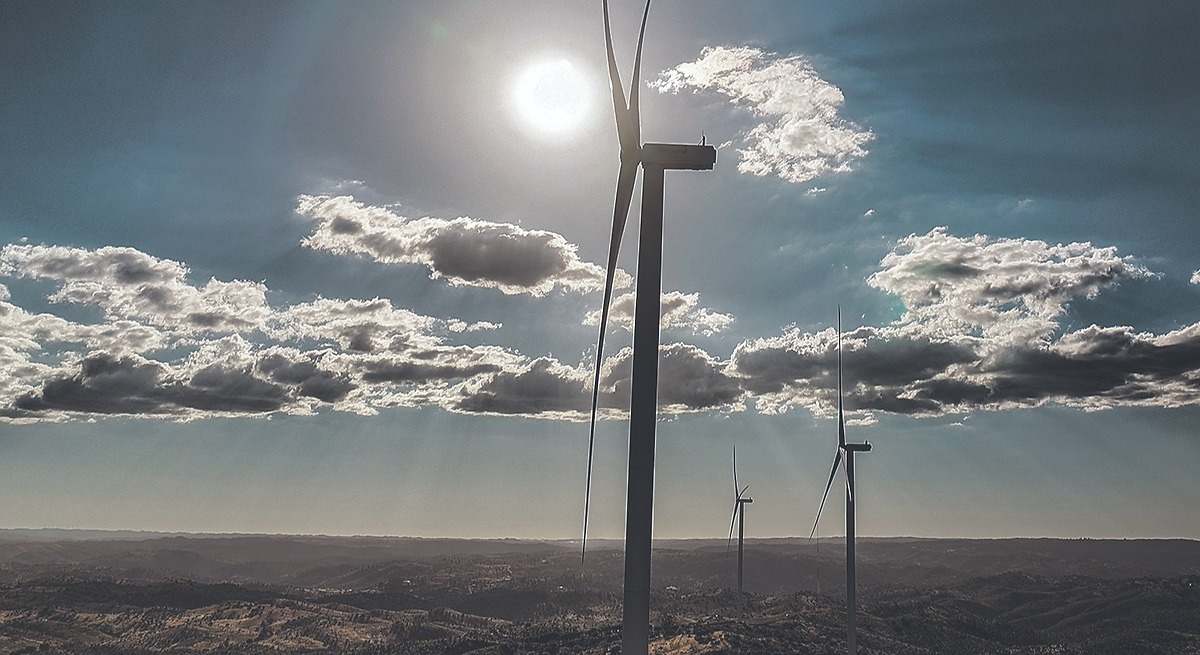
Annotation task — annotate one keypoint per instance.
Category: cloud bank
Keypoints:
(801, 134)
(166, 348)
(981, 331)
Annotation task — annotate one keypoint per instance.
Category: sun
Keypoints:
(552, 97)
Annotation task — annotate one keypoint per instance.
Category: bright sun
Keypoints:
(551, 97)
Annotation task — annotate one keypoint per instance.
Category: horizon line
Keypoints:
(568, 540)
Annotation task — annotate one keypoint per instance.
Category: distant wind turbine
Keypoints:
(848, 450)
(655, 159)
(740, 500)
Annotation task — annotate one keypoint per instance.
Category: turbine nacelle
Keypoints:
(679, 156)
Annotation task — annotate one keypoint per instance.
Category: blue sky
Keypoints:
(369, 360)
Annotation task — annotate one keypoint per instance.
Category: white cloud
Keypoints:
(801, 135)
(149, 356)
(1011, 290)
(981, 331)
(678, 311)
(128, 284)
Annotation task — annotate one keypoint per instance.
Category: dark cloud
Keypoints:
(408, 371)
(105, 384)
(463, 251)
(689, 379)
(307, 377)
(543, 387)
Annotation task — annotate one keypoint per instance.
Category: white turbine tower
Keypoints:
(845, 454)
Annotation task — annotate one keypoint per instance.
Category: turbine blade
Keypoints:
(634, 84)
(841, 416)
(849, 490)
(620, 109)
(735, 482)
(732, 522)
(837, 459)
(743, 491)
(625, 181)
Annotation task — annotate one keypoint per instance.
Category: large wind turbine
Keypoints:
(740, 500)
(655, 159)
(845, 453)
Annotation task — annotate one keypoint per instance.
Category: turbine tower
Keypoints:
(740, 500)
(655, 159)
(845, 454)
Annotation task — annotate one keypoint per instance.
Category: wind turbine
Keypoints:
(845, 453)
(740, 500)
(654, 159)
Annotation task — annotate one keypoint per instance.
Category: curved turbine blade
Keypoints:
(837, 459)
(625, 181)
(841, 417)
(634, 84)
(735, 482)
(620, 109)
(732, 522)
(742, 493)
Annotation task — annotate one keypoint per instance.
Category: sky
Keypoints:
(320, 268)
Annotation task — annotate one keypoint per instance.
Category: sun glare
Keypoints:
(551, 97)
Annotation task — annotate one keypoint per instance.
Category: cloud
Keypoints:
(462, 251)
(801, 134)
(689, 380)
(1005, 289)
(101, 383)
(980, 332)
(148, 357)
(151, 356)
(128, 284)
(678, 311)
(799, 369)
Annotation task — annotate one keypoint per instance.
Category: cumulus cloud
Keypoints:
(801, 134)
(980, 333)
(128, 284)
(1006, 289)
(689, 380)
(149, 357)
(678, 311)
(799, 369)
(462, 251)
